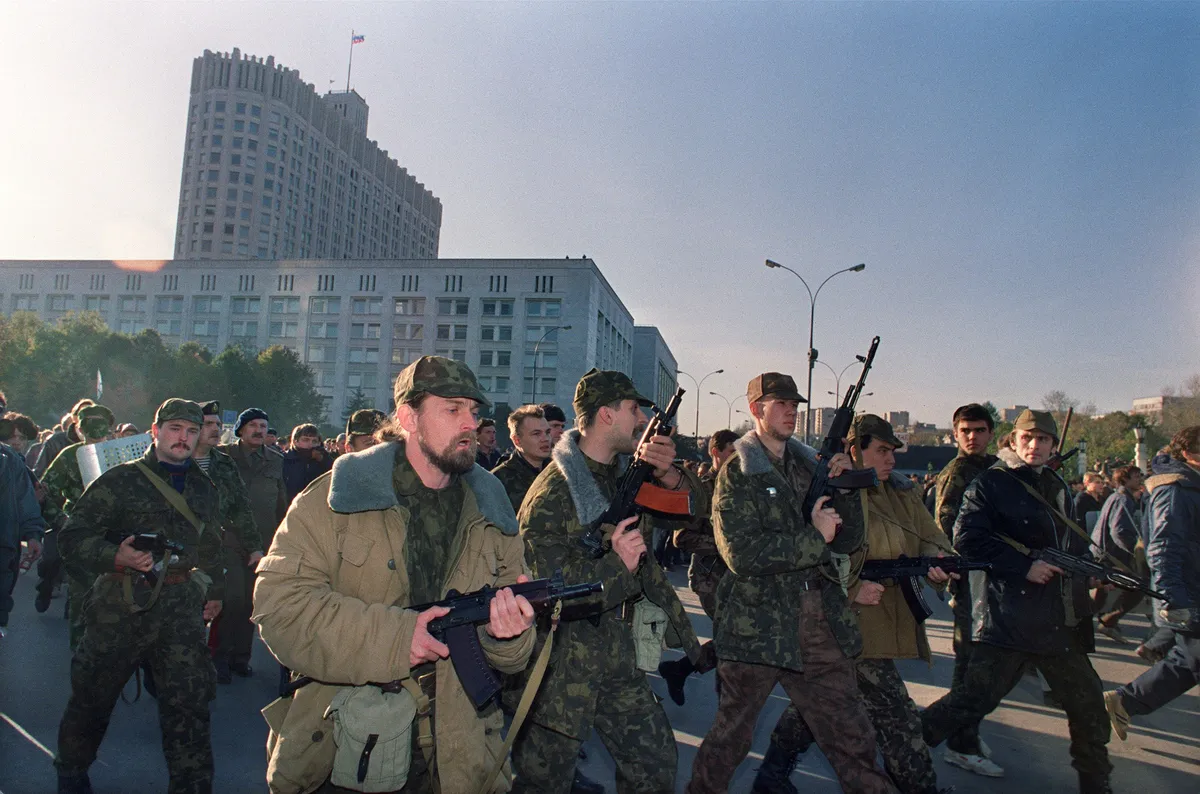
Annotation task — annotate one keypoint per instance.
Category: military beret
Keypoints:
(364, 422)
(1042, 421)
(211, 408)
(439, 376)
(249, 415)
(772, 385)
(552, 412)
(600, 387)
(178, 408)
(875, 427)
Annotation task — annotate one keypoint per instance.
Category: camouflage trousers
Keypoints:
(170, 636)
(826, 695)
(991, 674)
(236, 633)
(77, 590)
(897, 727)
(634, 729)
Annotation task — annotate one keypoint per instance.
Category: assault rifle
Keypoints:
(158, 544)
(467, 610)
(835, 442)
(1080, 566)
(635, 492)
(909, 571)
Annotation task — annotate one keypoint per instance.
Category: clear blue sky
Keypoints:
(1022, 180)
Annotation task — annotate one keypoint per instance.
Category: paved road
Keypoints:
(1030, 740)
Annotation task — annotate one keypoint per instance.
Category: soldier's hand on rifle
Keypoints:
(1041, 572)
(869, 593)
(826, 519)
(659, 452)
(628, 543)
(510, 615)
(424, 647)
(129, 557)
(937, 575)
(839, 464)
(211, 610)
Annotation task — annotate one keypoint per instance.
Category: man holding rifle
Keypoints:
(1025, 611)
(784, 615)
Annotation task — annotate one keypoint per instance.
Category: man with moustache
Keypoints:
(974, 429)
(530, 435)
(1025, 612)
(242, 546)
(557, 421)
(130, 621)
(400, 523)
(597, 677)
(261, 470)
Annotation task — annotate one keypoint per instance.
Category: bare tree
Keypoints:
(1058, 402)
(1192, 385)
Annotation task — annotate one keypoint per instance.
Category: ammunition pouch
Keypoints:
(372, 730)
(650, 625)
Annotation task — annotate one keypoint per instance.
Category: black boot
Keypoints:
(773, 775)
(675, 673)
(584, 785)
(74, 784)
(224, 674)
(1091, 783)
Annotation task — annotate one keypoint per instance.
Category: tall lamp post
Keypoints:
(812, 309)
(535, 355)
(1139, 449)
(837, 376)
(698, 385)
(728, 407)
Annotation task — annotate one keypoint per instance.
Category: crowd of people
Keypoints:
(171, 562)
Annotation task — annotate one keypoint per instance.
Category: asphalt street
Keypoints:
(1028, 739)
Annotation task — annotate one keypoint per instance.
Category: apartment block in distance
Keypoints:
(272, 170)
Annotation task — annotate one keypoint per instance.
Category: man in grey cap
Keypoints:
(1026, 612)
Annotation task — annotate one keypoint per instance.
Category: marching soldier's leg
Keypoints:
(544, 760)
(789, 740)
(637, 734)
(77, 590)
(186, 681)
(991, 674)
(897, 727)
(1077, 685)
(744, 690)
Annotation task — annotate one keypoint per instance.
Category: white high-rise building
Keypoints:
(272, 170)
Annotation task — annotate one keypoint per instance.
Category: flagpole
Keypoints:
(350, 63)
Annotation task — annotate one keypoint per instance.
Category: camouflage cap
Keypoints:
(365, 422)
(95, 421)
(442, 377)
(1037, 420)
(178, 408)
(600, 387)
(211, 408)
(773, 385)
(874, 426)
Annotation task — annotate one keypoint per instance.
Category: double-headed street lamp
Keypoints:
(812, 308)
(728, 406)
(698, 385)
(535, 355)
(837, 376)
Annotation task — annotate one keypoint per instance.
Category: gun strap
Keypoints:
(531, 688)
(1068, 523)
(171, 495)
(424, 727)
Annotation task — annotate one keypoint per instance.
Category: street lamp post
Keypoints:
(837, 376)
(535, 355)
(1139, 449)
(698, 385)
(812, 309)
(728, 407)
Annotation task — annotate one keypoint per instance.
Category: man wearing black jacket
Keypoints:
(1025, 611)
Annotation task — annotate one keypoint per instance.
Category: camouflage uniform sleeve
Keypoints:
(552, 533)
(81, 541)
(208, 550)
(55, 481)
(696, 536)
(951, 485)
(760, 543)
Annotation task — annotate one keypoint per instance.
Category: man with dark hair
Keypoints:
(974, 428)
(1023, 613)
(1173, 554)
(1089, 501)
(130, 619)
(305, 461)
(530, 435)
(556, 419)
(18, 431)
(487, 455)
(1116, 533)
(361, 428)
(599, 660)
(706, 569)
(785, 617)
(331, 604)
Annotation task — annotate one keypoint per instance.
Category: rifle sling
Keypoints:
(1068, 523)
(171, 495)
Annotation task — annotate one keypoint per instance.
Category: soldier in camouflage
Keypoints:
(784, 617)
(128, 620)
(595, 679)
(530, 434)
(361, 427)
(241, 542)
(974, 428)
(64, 485)
(707, 568)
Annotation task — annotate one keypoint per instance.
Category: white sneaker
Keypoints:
(976, 764)
(984, 750)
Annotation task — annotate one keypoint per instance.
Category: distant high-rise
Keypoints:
(271, 170)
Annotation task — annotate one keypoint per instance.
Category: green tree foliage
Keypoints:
(357, 402)
(46, 367)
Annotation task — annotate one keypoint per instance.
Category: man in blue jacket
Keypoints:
(20, 521)
(1173, 553)
(1117, 533)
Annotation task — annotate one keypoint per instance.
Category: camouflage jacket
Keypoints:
(594, 642)
(262, 473)
(64, 486)
(517, 475)
(696, 536)
(237, 516)
(773, 554)
(952, 483)
(124, 501)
